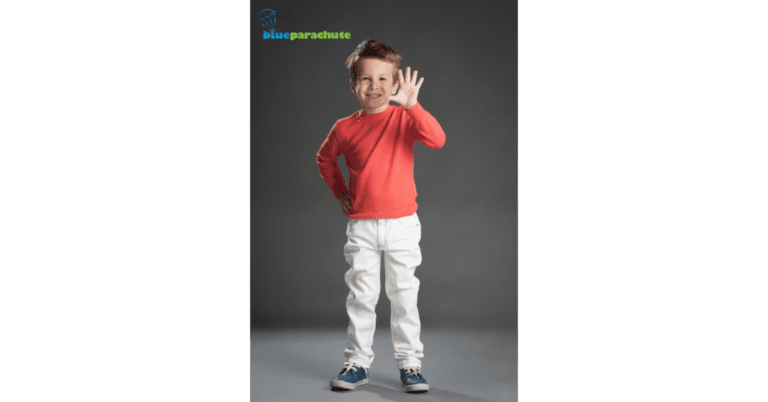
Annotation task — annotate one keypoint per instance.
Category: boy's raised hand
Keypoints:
(408, 89)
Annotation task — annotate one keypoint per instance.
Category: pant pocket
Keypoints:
(409, 221)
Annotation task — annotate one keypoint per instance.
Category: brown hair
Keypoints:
(375, 50)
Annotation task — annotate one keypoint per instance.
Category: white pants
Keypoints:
(399, 240)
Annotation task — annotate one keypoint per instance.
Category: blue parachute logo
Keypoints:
(267, 19)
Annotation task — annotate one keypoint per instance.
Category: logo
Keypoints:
(267, 18)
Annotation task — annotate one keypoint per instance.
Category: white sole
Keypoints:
(415, 387)
(347, 385)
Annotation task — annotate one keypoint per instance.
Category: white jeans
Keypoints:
(399, 240)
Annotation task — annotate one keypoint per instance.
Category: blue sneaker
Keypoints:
(350, 377)
(413, 381)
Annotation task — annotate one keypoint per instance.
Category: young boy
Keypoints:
(377, 144)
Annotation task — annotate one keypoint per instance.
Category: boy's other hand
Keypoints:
(346, 203)
(408, 90)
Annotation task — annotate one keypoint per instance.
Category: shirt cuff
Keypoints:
(417, 107)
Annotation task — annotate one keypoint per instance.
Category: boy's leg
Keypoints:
(363, 279)
(401, 257)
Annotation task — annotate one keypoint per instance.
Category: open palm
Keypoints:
(408, 91)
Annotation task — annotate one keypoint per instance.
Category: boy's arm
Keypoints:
(425, 127)
(329, 169)
(421, 124)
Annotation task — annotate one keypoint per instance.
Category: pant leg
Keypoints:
(402, 255)
(363, 279)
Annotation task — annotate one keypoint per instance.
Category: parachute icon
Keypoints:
(267, 19)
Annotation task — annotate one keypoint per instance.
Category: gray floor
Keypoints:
(460, 365)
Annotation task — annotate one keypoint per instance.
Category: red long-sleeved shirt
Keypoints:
(378, 150)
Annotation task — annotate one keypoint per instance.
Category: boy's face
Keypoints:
(375, 84)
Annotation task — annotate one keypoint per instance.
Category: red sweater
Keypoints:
(378, 150)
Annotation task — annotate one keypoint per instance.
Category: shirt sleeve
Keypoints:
(326, 161)
(425, 127)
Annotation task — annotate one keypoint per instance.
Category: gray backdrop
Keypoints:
(467, 191)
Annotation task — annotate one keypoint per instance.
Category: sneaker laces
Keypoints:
(348, 367)
(412, 371)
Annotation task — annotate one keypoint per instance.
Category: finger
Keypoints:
(415, 73)
(402, 80)
(408, 75)
(419, 84)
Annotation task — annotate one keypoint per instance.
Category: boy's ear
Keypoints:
(352, 84)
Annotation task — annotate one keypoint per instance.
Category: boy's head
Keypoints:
(373, 70)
